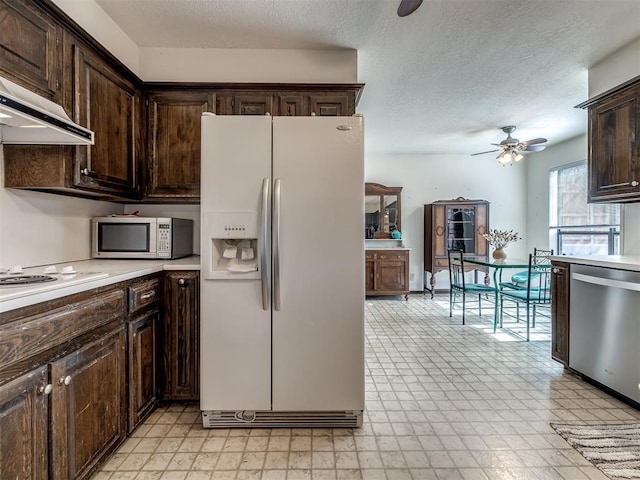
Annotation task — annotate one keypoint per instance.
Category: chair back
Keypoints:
(539, 278)
(456, 269)
(538, 252)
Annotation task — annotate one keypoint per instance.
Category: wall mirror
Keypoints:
(382, 210)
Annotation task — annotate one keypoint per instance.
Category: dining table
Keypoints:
(498, 267)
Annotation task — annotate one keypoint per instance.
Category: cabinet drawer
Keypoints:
(392, 255)
(144, 294)
(441, 262)
(34, 334)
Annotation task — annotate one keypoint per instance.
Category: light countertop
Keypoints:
(621, 262)
(384, 244)
(89, 274)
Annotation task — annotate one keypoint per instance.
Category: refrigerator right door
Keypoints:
(318, 264)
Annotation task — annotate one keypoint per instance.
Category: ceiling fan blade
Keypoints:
(534, 148)
(407, 7)
(482, 153)
(535, 141)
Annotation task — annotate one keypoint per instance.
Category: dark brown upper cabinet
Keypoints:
(614, 144)
(108, 104)
(29, 48)
(173, 144)
(101, 96)
(144, 150)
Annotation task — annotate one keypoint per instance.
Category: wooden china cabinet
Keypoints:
(386, 266)
(454, 224)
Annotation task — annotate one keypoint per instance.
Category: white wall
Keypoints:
(538, 167)
(244, 65)
(41, 228)
(211, 64)
(427, 178)
(90, 16)
(615, 69)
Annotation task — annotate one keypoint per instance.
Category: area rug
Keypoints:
(613, 448)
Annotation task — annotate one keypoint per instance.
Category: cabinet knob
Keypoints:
(88, 173)
(181, 281)
(634, 183)
(556, 270)
(46, 389)
(65, 380)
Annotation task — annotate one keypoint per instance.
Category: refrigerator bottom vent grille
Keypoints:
(229, 419)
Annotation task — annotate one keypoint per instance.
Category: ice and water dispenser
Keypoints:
(232, 245)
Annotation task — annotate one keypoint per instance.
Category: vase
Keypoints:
(499, 255)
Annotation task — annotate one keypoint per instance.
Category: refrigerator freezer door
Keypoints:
(235, 329)
(318, 333)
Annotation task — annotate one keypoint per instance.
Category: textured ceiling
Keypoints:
(442, 80)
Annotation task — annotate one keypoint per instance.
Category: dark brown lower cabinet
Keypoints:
(143, 392)
(24, 434)
(560, 282)
(180, 336)
(88, 406)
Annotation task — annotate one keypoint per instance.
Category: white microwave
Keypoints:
(130, 236)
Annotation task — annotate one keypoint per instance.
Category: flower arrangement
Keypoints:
(501, 238)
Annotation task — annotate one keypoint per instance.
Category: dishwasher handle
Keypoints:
(607, 282)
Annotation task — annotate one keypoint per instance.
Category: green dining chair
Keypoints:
(459, 285)
(537, 291)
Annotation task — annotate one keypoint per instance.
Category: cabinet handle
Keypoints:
(65, 380)
(150, 294)
(181, 281)
(46, 390)
(556, 270)
(634, 183)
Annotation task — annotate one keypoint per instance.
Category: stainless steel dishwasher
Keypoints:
(604, 332)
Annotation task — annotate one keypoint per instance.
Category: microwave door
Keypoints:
(124, 239)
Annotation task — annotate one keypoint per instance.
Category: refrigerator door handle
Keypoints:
(276, 244)
(264, 258)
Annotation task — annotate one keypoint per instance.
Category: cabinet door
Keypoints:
(106, 103)
(292, 106)
(181, 336)
(329, 105)
(391, 272)
(173, 140)
(142, 366)
(24, 415)
(88, 406)
(614, 144)
(560, 281)
(247, 104)
(29, 47)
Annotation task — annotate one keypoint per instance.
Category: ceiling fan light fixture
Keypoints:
(505, 158)
(517, 157)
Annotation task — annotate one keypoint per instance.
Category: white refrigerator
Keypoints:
(282, 271)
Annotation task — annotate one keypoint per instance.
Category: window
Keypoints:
(577, 227)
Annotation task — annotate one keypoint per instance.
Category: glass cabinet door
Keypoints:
(461, 229)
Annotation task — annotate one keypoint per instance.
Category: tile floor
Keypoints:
(444, 401)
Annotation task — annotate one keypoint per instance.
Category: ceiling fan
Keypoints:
(407, 7)
(510, 147)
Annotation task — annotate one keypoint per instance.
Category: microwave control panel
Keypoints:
(164, 239)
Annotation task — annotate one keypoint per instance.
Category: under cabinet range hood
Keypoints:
(26, 118)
